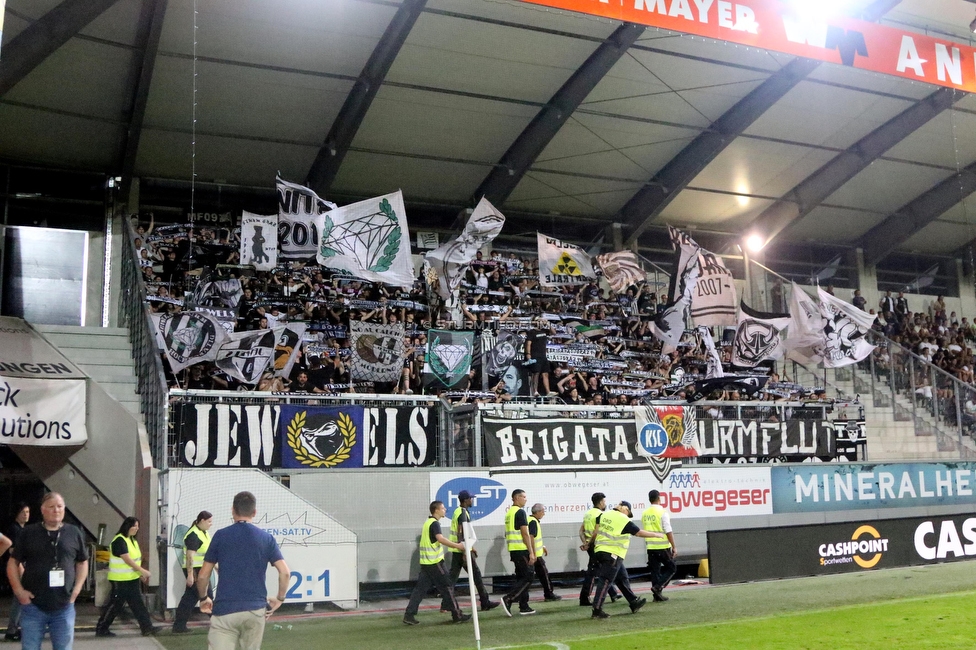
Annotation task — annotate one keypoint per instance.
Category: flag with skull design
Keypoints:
(758, 337)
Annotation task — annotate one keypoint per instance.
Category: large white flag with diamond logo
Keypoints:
(368, 239)
(448, 358)
(561, 263)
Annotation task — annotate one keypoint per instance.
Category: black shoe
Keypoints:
(528, 611)
(637, 604)
(491, 604)
(181, 630)
(551, 598)
(658, 596)
(615, 597)
(12, 636)
(507, 606)
(151, 631)
(599, 613)
(585, 603)
(410, 620)
(464, 618)
(105, 633)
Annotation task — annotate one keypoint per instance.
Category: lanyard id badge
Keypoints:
(55, 577)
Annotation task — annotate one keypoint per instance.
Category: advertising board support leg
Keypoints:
(478, 447)
(469, 541)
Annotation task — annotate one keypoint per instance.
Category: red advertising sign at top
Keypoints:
(778, 26)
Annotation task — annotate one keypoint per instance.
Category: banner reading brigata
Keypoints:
(697, 492)
(780, 27)
(313, 437)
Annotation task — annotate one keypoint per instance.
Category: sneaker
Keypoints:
(551, 598)
(104, 633)
(637, 604)
(410, 620)
(658, 596)
(615, 597)
(463, 619)
(152, 631)
(181, 630)
(528, 611)
(492, 604)
(585, 603)
(599, 613)
(507, 606)
(12, 636)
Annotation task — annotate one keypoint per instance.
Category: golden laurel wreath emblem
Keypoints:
(346, 428)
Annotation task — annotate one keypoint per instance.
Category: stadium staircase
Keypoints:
(104, 354)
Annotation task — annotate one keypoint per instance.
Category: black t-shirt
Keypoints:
(13, 532)
(36, 552)
(193, 542)
(119, 547)
(539, 340)
(521, 519)
(534, 528)
(435, 530)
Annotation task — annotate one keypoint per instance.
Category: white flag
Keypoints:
(188, 337)
(298, 208)
(845, 331)
(758, 337)
(377, 351)
(621, 269)
(561, 263)
(259, 241)
(369, 240)
(714, 367)
(714, 299)
(450, 259)
(288, 341)
(804, 343)
(246, 355)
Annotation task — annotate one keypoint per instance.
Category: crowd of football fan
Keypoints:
(613, 359)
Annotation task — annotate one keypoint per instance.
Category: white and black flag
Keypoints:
(259, 241)
(845, 331)
(288, 342)
(714, 298)
(188, 337)
(377, 351)
(758, 337)
(450, 260)
(298, 206)
(245, 355)
(621, 269)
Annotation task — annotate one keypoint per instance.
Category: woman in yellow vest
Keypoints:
(125, 572)
(196, 541)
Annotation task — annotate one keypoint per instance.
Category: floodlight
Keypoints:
(755, 243)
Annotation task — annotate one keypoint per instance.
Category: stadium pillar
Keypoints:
(867, 280)
(617, 236)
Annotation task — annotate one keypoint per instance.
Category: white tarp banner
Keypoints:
(451, 259)
(25, 353)
(845, 331)
(42, 412)
(259, 241)
(298, 209)
(321, 553)
(369, 240)
(561, 263)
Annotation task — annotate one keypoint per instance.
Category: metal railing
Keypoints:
(148, 365)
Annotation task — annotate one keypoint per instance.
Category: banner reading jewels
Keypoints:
(313, 437)
(548, 442)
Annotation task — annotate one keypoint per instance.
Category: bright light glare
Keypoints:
(819, 10)
(755, 243)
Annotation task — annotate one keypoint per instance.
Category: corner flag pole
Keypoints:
(469, 540)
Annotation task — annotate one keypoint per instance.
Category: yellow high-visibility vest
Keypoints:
(651, 521)
(513, 536)
(610, 537)
(538, 536)
(430, 552)
(118, 570)
(456, 527)
(589, 521)
(198, 554)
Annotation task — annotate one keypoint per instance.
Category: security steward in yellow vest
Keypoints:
(522, 551)
(460, 517)
(125, 572)
(611, 541)
(196, 541)
(660, 552)
(541, 570)
(599, 500)
(432, 570)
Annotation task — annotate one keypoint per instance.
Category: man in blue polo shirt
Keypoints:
(243, 552)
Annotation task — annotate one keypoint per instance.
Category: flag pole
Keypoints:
(469, 541)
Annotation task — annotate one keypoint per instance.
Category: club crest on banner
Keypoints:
(188, 338)
(450, 360)
(666, 434)
(372, 238)
(377, 351)
(323, 441)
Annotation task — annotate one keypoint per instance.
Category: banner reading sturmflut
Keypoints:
(259, 241)
(377, 351)
(369, 239)
(42, 412)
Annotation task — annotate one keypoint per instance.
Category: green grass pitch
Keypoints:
(920, 607)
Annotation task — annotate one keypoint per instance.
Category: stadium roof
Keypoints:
(568, 122)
